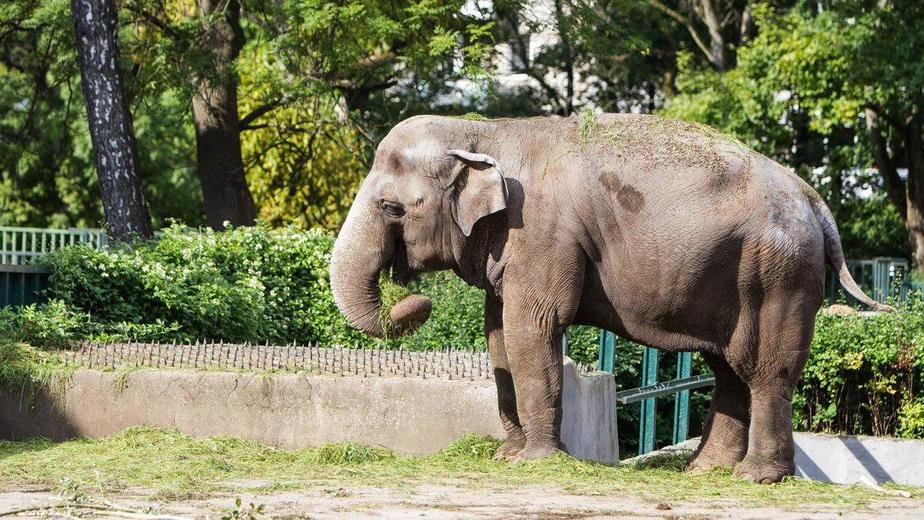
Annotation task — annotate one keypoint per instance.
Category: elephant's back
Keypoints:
(679, 167)
(682, 192)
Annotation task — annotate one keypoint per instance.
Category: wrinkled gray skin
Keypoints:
(661, 231)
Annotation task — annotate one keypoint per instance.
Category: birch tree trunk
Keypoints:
(225, 193)
(110, 122)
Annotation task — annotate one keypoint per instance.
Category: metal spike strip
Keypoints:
(377, 361)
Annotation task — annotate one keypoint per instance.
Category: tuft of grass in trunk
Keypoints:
(169, 464)
(390, 293)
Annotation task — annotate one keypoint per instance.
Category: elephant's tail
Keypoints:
(834, 254)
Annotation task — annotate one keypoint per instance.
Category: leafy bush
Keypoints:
(247, 284)
(53, 325)
(862, 372)
(911, 419)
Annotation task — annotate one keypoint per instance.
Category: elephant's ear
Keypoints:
(480, 188)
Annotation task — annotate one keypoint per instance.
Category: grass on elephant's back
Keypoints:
(172, 464)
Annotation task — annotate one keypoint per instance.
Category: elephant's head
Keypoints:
(426, 191)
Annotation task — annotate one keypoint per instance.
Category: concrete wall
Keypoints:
(843, 459)
(406, 414)
(853, 459)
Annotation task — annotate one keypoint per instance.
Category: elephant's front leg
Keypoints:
(532, 337)
(534, 357)
(506, 394)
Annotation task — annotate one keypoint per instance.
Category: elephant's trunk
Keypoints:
(364, 247)
(361, 251)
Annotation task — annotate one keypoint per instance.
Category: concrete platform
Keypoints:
(844, 459)
(408, 414)
(860, 459)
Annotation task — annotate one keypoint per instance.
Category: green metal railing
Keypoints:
(881, 277)
(651, 389)
(21, 282)
(19, 245)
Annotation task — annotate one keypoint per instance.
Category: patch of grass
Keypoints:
(171, 464)
(588, 122)
(342, 453)
(472, 116)
(25, 369)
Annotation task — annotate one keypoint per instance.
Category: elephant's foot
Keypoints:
(708, 457)
(536, 451)
(509, 449)
(764, 471)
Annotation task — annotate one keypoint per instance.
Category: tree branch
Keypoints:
(261, 111)
(688, 23)
(717, 40)
(153, 20)
(881, 112)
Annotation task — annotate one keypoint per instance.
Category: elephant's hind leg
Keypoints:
(725, 436)
(786, 326)
(506, 395)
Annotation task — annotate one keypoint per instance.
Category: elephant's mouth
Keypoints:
(401, 272)
(413, 310)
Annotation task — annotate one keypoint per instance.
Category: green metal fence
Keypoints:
(19, 245)
(881, 277)
(22, 282)
(651, 389)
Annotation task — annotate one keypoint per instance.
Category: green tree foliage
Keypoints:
(46, 163)
(320, 82)
(806, 91)
(864, 373)
(327, 79)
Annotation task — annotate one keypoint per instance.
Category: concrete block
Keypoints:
(860, 459)
(843, 459)
(410, 415)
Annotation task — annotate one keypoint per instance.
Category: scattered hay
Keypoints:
(661, 141)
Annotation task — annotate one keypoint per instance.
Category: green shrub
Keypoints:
(246, 284)
(52, 325)
(862, 370)
(911, 419)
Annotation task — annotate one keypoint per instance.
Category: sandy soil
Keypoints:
(453, 501)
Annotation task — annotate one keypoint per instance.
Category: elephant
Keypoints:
(665, 232)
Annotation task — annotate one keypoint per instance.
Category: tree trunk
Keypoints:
(716, 38)
(891, 181)
(914, 144)
(225, 193)
(111, 130)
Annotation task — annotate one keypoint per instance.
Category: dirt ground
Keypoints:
(444, 501)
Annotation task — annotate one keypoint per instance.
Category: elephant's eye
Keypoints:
(392, 209)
